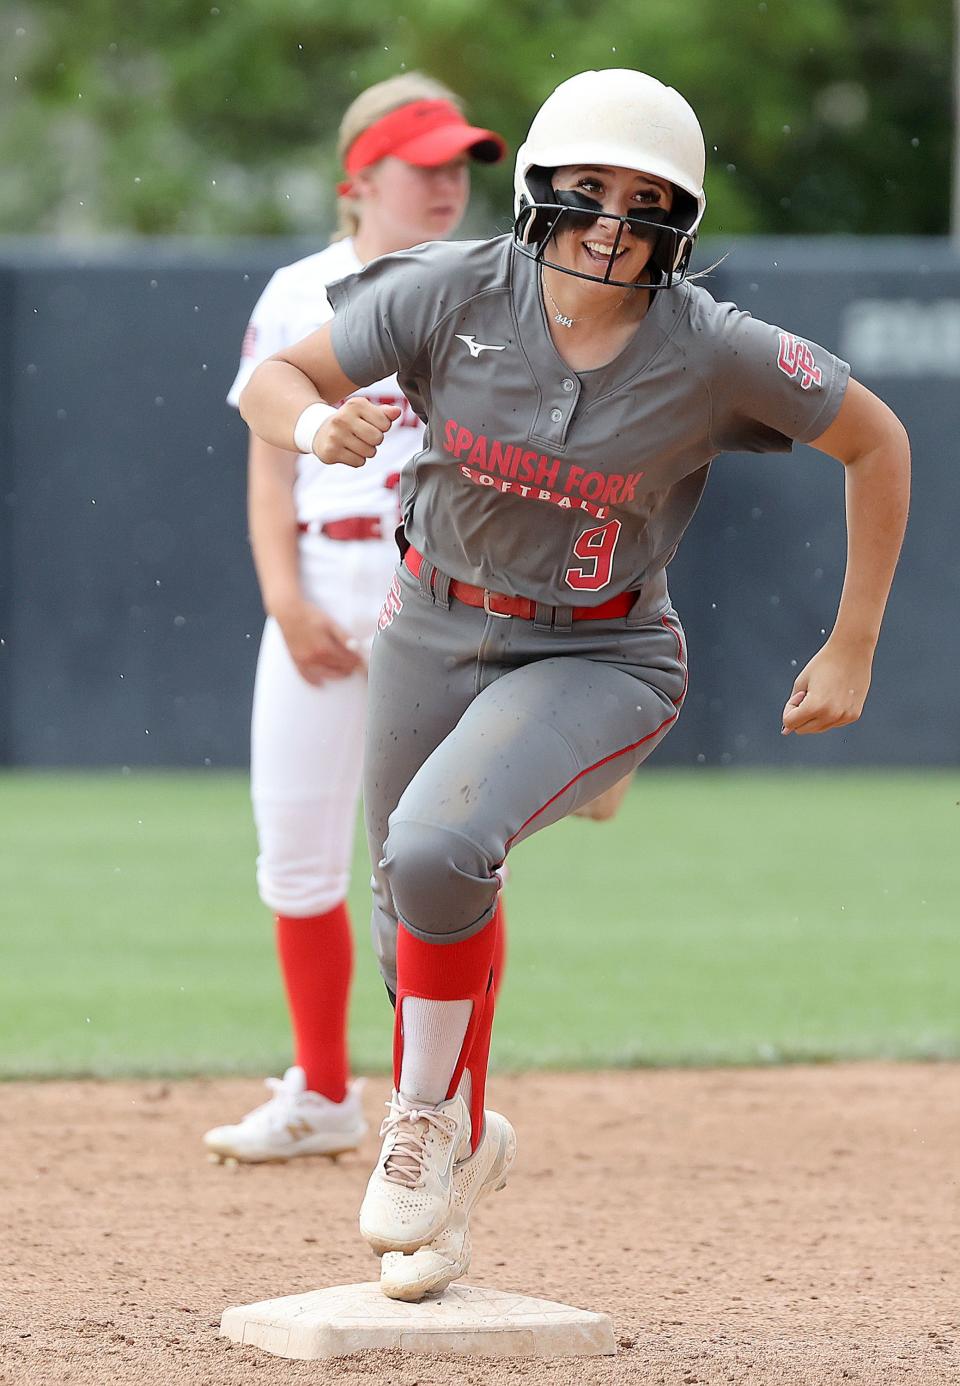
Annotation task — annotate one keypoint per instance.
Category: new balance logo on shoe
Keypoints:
(298, 1129)
(476, 347)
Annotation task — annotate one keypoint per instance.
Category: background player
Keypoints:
(529, 653)
(323, 544)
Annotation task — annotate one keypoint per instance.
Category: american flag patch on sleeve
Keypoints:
(249, 340)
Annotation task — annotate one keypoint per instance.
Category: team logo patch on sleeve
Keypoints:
(797, 361)
(392, 606)
(249, 343)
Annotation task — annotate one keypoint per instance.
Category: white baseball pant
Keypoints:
(307, 741)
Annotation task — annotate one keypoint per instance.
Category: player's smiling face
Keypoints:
(621, 192)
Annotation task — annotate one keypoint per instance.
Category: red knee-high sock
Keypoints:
(450, 972)
(316, 959)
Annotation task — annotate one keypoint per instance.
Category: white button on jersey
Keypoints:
(568, 385)
(556, 415)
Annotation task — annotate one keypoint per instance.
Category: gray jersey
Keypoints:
(539, 481)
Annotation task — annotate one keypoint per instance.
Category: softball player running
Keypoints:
(576, 388)
(323, 542)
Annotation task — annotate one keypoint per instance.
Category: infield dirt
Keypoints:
(796, 1226)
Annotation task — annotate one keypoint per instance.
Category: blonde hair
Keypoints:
(369, 107)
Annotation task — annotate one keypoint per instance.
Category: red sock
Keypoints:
(453, 972)
(316, 959)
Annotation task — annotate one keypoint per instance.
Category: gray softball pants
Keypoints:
(482, 730)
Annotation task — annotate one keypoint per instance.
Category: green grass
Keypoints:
(722, 918)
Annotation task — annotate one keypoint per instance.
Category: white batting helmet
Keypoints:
(622, 118)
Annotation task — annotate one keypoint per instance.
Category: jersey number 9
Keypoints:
(595, 547)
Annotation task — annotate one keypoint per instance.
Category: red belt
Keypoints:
(499, 604)
(356, 527)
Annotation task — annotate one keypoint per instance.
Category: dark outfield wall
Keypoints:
(128, 610)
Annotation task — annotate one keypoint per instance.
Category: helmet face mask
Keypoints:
(538, 222)
(616, 118)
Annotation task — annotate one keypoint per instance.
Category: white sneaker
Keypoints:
(293, 1122)
(410, 1192)
(435, 1266)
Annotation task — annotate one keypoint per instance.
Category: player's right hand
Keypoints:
(319, 648)
(355, 432)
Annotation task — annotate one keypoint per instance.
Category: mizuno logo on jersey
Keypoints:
(475, 346)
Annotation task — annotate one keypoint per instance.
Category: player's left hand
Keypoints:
(830, 691)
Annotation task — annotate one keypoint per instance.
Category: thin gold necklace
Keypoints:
(565, 320)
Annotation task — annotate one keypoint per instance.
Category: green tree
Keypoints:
(196, 118)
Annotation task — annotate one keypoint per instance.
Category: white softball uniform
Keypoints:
(307, 741)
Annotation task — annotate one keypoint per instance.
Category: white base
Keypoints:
(465, 1319)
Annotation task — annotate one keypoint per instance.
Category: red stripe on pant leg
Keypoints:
(596, 766)
(444, 972)
(623, 749)
(316, 959)
(681, 657)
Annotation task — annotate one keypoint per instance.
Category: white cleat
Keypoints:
(432, 1268)
(410, 1192)
(293, 1122)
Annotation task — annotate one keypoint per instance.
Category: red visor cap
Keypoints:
(426, 134)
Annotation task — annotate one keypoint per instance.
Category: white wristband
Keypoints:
(309, 424)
